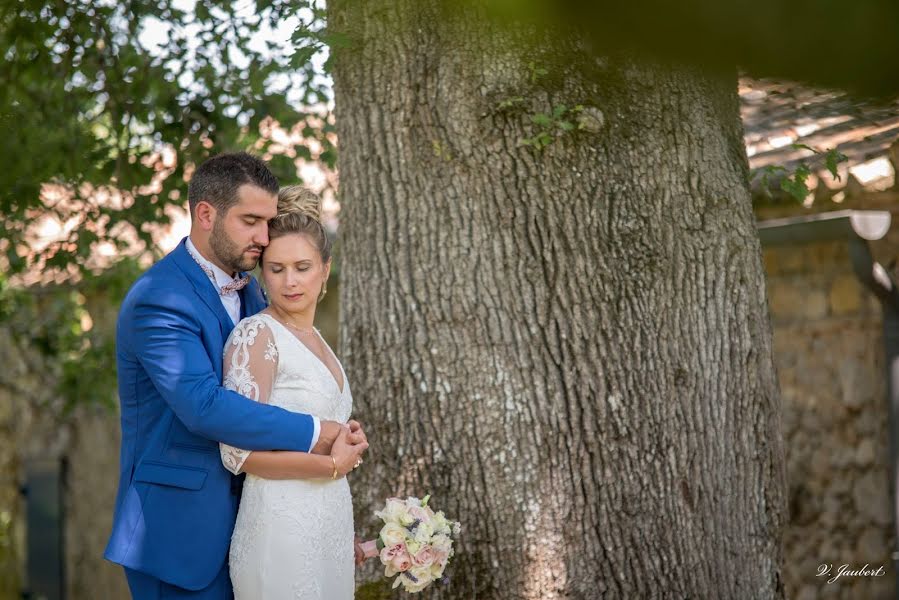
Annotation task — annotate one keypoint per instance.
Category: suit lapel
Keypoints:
(252, 300)
(203, 286)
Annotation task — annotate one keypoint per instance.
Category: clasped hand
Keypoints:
(345, 444)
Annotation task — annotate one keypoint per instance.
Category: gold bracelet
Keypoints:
(334, 474)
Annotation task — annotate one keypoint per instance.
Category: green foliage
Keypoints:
(549, 126)
(88, 101)
(795, 183)
(831, 159)
(511, 103)
(546, 127)
(536, 72)
(59, 322)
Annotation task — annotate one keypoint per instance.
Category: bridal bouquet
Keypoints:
(415, 542)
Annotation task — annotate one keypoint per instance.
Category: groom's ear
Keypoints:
(205, 215)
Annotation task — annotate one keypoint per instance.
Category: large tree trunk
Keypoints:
(569, 348)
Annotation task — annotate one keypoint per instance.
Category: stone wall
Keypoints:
(830, 362)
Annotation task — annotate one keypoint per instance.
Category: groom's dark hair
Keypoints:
(217, 180)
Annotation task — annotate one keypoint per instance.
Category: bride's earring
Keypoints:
(322, 293)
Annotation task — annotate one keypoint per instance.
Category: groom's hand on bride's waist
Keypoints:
(331, 429)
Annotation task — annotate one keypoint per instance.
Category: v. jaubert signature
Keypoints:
(827, 570)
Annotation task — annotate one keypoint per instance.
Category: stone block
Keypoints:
(864, 452)
(840, 486)
(845, 295)
(795, 301)
(807, 592)
(771, 261)
(788, 259)
(815, 305)
(854, 384)
(872, 547)
(788, 344)
(869, 494)
(820, 464)
(811, 420)
(7, 407)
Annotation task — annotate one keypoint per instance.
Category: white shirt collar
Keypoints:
(221, 278)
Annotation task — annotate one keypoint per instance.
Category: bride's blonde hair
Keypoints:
(300, 211)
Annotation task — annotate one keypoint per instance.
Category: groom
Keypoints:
(176, 504)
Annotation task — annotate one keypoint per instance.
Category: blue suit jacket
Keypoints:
(175, 508)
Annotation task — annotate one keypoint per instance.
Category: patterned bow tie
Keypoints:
(237, 284)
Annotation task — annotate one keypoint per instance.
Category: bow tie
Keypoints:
(237, 284)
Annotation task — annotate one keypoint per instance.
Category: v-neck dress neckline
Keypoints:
(340, 388)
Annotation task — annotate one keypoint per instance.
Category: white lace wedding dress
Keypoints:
(293, 539)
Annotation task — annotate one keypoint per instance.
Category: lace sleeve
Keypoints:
(250, 364)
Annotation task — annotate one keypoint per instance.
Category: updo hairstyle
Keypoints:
(300, 211)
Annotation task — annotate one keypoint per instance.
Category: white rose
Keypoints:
(423, 533)
(393, 534)
(422, 576)
(440, 524)
(393, 510)
(437, 570)
(442, 543)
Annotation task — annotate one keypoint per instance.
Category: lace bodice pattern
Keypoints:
(292, 538)
(304, 384)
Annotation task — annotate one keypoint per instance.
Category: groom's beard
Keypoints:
(227, 251)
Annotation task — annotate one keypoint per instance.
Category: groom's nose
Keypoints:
(260, 237)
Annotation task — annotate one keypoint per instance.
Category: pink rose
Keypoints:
(441, 556)
(425, 557)
(388, 552)
(401, 561)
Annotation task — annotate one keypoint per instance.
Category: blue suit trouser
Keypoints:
(147, 587)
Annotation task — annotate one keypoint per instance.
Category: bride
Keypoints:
(294, 532)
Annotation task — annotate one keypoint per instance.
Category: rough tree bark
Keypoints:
(569, 348)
